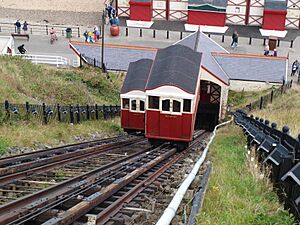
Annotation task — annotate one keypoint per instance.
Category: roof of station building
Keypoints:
(174, 69)
(137, 75)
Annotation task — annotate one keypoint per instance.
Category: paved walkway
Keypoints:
(41, 44)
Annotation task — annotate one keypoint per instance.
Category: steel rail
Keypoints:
(98, 197)
(60, 161)
(20, 209)
(115, 207)
(45, 152)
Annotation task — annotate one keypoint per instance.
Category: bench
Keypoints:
(14, 35)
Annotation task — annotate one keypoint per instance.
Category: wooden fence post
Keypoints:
(58, 113)
(71, 114)
(97, 112)
(44, 114)
(88, 112)
(261, 102)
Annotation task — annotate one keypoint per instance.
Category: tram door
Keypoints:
(208, 108)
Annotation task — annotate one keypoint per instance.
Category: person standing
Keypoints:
(109, 10)
(235, 37)
(295, 67)
(18, 26)
(86, 35)
(25, 27)
(266, 50)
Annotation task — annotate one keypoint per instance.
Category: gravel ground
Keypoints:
(52, 17)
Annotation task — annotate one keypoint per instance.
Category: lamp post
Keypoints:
(102, 45)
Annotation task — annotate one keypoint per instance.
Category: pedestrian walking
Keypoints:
(295, 67)
(235, 37)
(266, 50)
(18, 26)
(25, 26)
(109, 10)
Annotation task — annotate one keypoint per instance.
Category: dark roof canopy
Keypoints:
(218, 3)
(137, 75)
(280, 5)
(176, 65)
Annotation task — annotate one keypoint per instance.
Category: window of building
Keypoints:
(176, 106)
(125, 103)
(166, 105)
(187, 105)
(142, 105)
(133, 104)
(153, 102)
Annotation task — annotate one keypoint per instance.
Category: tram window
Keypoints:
(133, 104)
(187, 105)
(142, 105)
(153, 102)
(166, 105)
(125, 103)
(176, 106)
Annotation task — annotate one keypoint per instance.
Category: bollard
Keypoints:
(168, 34)
(292, 42)
(208, 35)
(78, 30)
(180, 35)
(223, 38)
(291, 84)
(126, 31)
(278, 43)
(94, 62)
(141, 33)
(153, 33)
(58, 113)
(0, 29)
(264, 42)
(47, 32)
(250, 40)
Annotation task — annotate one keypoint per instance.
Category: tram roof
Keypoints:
(176, 65)
(137, 75)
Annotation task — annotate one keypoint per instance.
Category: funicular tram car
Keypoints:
(133, 96)
(172, 96)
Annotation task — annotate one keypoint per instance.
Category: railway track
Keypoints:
(101, 192)
(57, 168)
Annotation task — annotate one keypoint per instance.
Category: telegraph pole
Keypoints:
(102, 46)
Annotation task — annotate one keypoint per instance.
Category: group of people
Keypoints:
(19, 26)
(112, 16)
(267, 51)
(92, 36)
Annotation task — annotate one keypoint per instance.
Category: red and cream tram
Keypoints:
(172, 96)
(133, 96)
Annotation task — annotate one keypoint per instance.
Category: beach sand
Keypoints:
(60, 12)
(55, 5)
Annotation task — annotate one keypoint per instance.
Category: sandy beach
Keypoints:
(60, 12)
(55, 5)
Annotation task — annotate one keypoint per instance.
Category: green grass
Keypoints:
(240, 99)
(285, 110)
(22, 81)
(235, 195)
